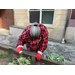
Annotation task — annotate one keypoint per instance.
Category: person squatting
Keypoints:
(36, 39)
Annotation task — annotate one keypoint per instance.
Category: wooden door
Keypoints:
(6, 18)
(0, 18)
(71, 21)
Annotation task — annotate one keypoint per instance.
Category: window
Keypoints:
(44, 16)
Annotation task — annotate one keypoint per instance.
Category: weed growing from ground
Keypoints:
(4, 55)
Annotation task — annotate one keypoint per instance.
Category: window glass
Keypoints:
(48, 9)
(44, 16)
(47, 17)
(34, 16)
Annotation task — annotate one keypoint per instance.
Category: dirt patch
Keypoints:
(5, 61)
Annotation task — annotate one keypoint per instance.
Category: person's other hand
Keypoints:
(19, 50)
(39, 55)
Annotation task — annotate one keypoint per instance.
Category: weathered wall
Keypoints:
(59, 23)
(58, 27)
(21, 18)
(70, 34)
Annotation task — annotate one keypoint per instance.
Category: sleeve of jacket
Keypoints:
(22, 38)
(44, 40)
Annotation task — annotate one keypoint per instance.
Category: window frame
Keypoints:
(40, 19)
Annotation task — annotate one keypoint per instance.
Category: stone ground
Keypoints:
(67, 50)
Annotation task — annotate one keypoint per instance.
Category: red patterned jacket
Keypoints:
(32, 44)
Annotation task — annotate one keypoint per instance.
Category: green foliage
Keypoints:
(54, 56)
(10, 63)
(4, 55)
(29, 58)
(20, 61)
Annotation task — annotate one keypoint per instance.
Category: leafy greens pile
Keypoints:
(20, 61)
(54, 56)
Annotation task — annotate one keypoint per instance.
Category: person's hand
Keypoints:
(39, 55)
(19, 50)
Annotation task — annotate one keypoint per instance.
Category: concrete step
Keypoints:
(16, 30)
(4, 31)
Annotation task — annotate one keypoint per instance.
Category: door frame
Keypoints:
(71, 22)
(70, 12)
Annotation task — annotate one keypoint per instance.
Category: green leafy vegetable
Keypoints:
(29, 58)
(10, 63)
(54, 56)
(20, 61)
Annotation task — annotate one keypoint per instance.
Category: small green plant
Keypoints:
(19, 61)
(29, 58)
(4, 55)
(10, 63)
(54, 56)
